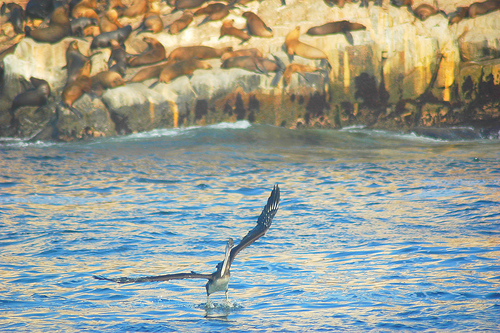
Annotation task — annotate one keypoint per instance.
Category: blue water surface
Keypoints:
(376, 231)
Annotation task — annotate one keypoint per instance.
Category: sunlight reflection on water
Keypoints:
(375, 231)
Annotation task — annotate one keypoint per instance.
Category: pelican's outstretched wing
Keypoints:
(263, 224)
(167, 277)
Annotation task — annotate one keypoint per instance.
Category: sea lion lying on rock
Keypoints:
(198, 52)
(154, 53)
(257, 27)
(137, 8)
(294, 47)
(188, 4)
(105, 38)
(152, 21)
(301, 70)
(481, 8)
(228, 29)
(39, 9)
(16, 15)
(244, 52)
(424, 11)
(257, 65)
(344, 27)
(180, 68)
(215, 11)
(36, 96)
(109, 21)
(79, 25)
(150, 72)
(106, 80)
(181, 23)
(59, 27)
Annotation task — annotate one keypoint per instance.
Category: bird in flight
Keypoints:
(219, 280)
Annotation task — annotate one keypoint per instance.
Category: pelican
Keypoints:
(219, 280)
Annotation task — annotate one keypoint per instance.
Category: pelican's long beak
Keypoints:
(229, 246)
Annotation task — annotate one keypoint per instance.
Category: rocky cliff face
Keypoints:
(400, 73)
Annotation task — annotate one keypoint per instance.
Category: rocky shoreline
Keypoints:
(400, 74)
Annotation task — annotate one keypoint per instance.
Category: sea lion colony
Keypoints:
(100, 21)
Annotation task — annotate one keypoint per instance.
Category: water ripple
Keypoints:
(376, 231)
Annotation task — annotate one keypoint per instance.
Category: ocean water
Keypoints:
(376, 231)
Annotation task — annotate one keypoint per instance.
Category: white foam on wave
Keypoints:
(240, 124)
(411, 136)
(156, 133)
(22, 143)
(352, 128)
(170, 132)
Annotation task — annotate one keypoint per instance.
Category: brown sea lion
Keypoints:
(106, 80)
(39, 9)
(86, 3)
(401, 3)
(338, 3)
(295, 47)
(149, 72)
(36, 96)
(257, 27)
(117, 5)
(58, 28)
(105, 38)
(188, 4)
(197, 52)
(364, 3)
(137, 8)
(300, 69)
(82, 10)
(79, 25)
(424, 11)
(209, 9)
(74, 91)
(458, 15)
(118, 58)
(214, 11)
(76, 63)
(481, 8)
(258, 65)
(180, 68)
(91, 31)
(152, 21)
(344, 27)
(109, 21)
(227, 29)
(154, 53)
(238, 53)
(242, 2)
(254, 64)
(181, 23)
(16, 15)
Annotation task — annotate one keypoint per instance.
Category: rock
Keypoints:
(135, 108)
(96, 121)
(379, 81)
